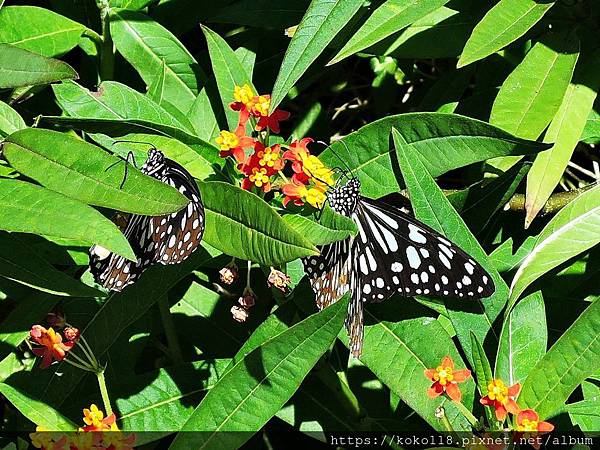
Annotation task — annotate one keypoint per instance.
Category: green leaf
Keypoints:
(330, 228)
(18, 262)
(33, 209)
(228, 72)
(37, 411)
(565, 131)
(483, 371)
(38, 30)
(572, 231)
(23, 68)
(116, 101)
(10, 120)
(146, 45)
(532, 93)
(254, 390)
(443, 142)
(507, 21)
(84, 172)
(203, 117)
(130, 4)
(273, 13)
(565, 366)
(390, 17)
(246, 227)
(433, 208)
(591, 132)
(585, 414)
(320, 24)
(523, 340)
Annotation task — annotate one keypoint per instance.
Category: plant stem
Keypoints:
(468, 414)
(104, 392)
(169, 327)
(107, 55)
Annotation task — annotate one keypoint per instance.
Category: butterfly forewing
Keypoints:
(167, 239)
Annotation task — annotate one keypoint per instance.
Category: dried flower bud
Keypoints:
(278, 280)
(71, 334)
(229, 274)
(248, 299)
(239, 314)
(55, 320)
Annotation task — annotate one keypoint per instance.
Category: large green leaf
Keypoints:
(83, 171)
(246, 227)
(146, 44)
(320, 24)
(254, 390)
(38, 30)
(228, 72)
(569, 362)
(203, 117)
(330, 227)
(586, 414)
(532, 93)
(523, 340)
(433, 208)
(37, 411)
(10, 120)
(113, 100)
(443, 142)
(29, 208)
(390, 17)
(507, 21)
(20, 263)
(20, 67)
(565, 131)
(273, 13)
(573, 230)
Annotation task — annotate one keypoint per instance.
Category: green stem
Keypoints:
(79, 366)
(104, 392)
(248, 275)
(82, 361)
(107, 55)
(169, 327)
(468, 414)
(87, 351)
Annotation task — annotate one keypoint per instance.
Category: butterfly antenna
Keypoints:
(330, 147)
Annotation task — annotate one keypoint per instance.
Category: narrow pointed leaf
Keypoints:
(483, 372)
(10, 120)
(83, 171)
(330, 227)
(320, 24)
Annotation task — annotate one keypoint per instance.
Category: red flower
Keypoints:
(233, 144)
(260, 109)
(299, 194)
(52, 347)
(446, 379)
(244, 102)
(529, 425)
(262, 164)
(501, 398)
(307, 167)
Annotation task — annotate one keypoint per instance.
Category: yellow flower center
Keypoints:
(227, 140)
(259, 177)
(528, 425)
(498, 391)
(268, 157)
(244, 94)
(262, 104)
(314, 168)
(444, 375)
(315, 197)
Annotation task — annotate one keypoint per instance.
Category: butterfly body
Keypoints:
(392, 252)
(167, 239)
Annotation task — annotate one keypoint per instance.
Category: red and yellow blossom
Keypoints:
(233, 144)
(95, 421)
(307, 167)
(501, 398)
(52, 346)
(260, 166)
(529, 424)
(244, 102)
(44, 439)
(260, 109)
(446, 379)
(300, 193)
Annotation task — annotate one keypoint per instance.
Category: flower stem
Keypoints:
(104, 392)
(170, 333)
(79, 366)
(87, 351)
(467, 414)
(248, 274)
(107, 55)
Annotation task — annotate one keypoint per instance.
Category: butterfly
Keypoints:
(392, 252)
(167, 239)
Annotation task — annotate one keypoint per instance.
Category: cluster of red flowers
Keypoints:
(260, 162)
(499, 396)
(98, 433)
(50, 345)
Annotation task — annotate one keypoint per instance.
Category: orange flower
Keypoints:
(233, 144)
(446, 379)
(260, 166)
(52, 347)
(44, 439)
(501, 398)
(95, 421)
(307, 167)
(300, 193)
(260, 109)
(244, 102)
(529, 425)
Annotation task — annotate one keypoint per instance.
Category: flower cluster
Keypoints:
(499, 397)
(49, 344)
(260, 163)
(98, 433)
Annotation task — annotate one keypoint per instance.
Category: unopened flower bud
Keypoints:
(239, 314)
(71, 334)
(248, 299)
(278, 280)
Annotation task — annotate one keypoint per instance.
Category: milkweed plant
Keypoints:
(250, 223)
